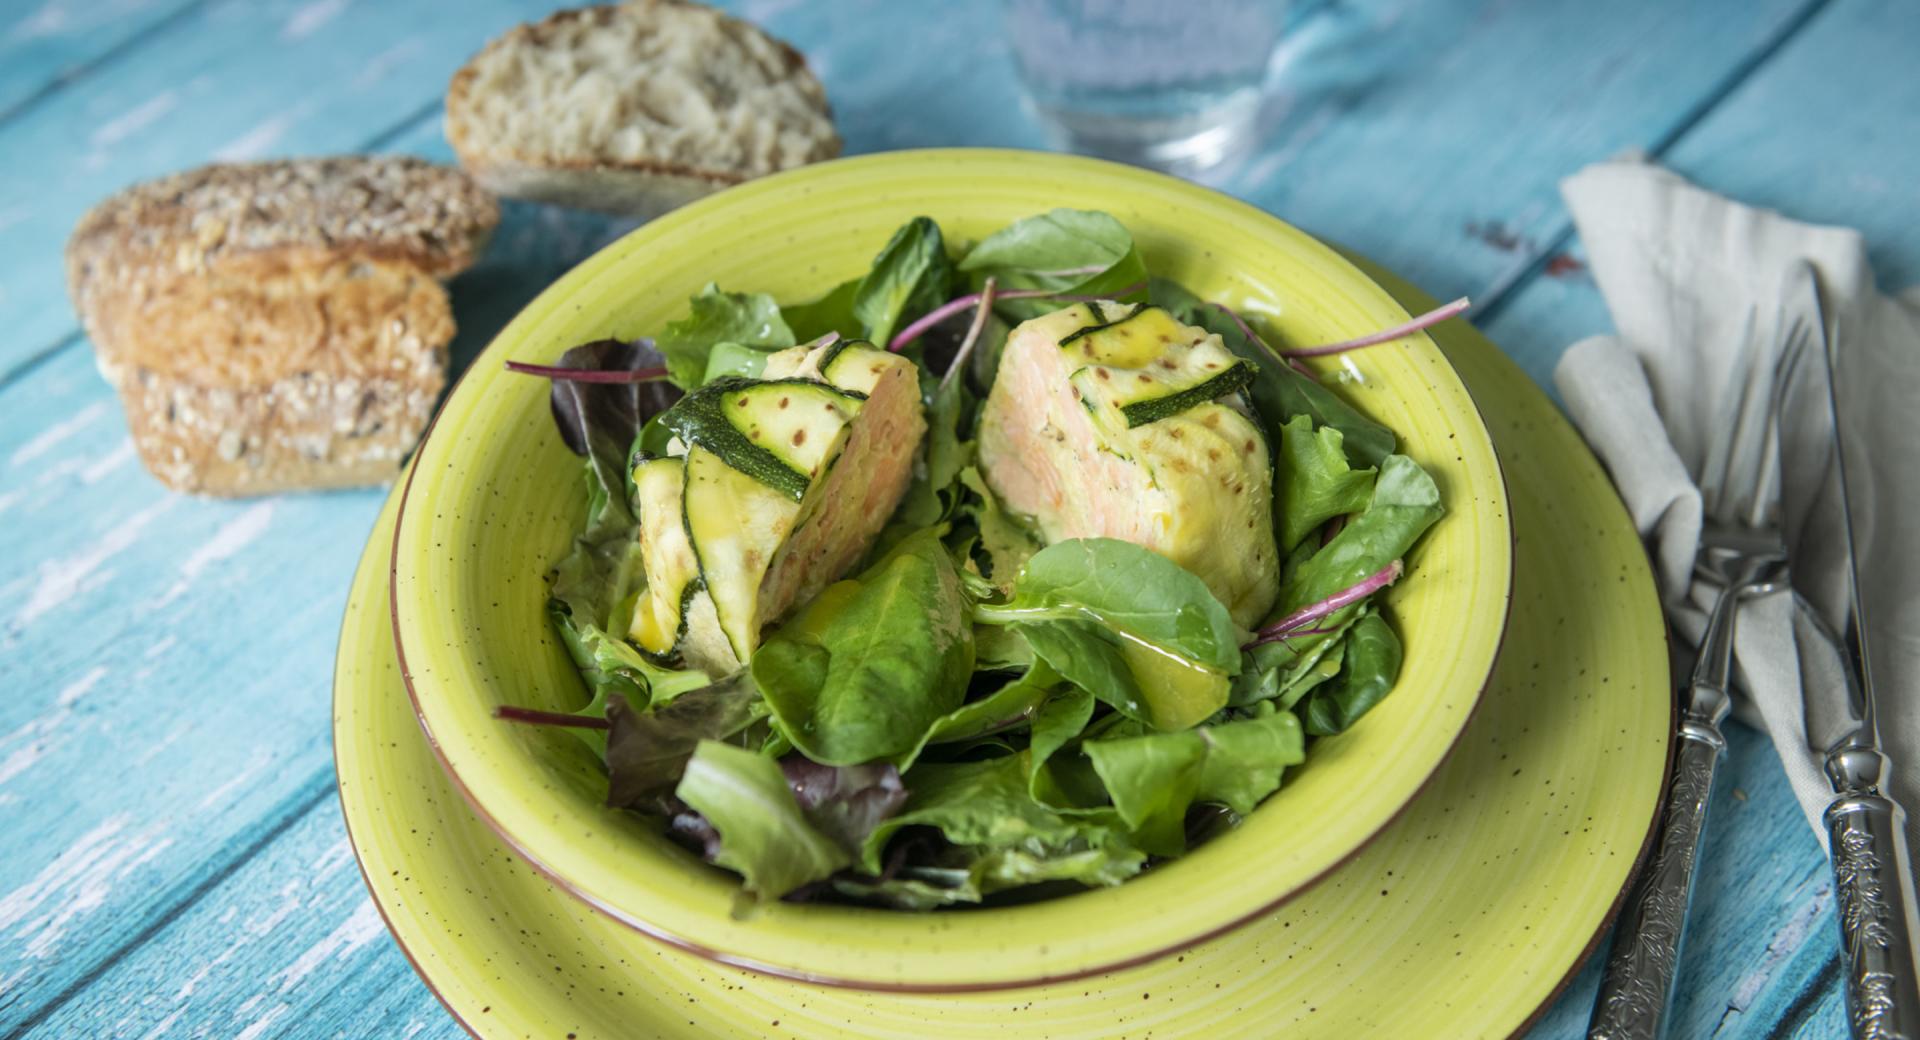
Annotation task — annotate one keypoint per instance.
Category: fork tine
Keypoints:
(1722, 435)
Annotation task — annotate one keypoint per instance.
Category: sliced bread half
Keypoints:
(279, 325)
(636, 108)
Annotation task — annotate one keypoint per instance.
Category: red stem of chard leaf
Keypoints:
(589, 375)
(955, 306)
(1293, 623)
(1431, 318)
(536, 717)
(980, 315)
(1247, 331)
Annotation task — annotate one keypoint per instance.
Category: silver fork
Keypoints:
(1742, 553)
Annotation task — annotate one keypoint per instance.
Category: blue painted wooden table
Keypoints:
(174, 862)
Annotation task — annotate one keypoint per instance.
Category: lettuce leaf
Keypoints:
(745, 319)
(763, 834)
(647, 751)
(1009, 839)
(1314, 481)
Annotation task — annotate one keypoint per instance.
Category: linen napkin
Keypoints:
(1693, 279)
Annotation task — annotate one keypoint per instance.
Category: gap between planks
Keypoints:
(1492, 300)
(26, 366)
(305, 799)
(68, 77)
(1306, 13)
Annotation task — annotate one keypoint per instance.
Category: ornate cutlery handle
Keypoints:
(1637, 985)
(1866, 835)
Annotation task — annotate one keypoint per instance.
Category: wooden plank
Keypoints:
(45, 46)
(290, 945)
(231, 80)
(1431, 137)
(1815, 135)
(1346, 79)
(1830, 133)
(186, 641)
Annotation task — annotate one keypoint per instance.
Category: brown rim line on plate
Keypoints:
(563, 883)
(1438, 406)
(1412, 297)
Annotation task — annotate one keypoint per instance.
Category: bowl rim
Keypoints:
(1258, 219)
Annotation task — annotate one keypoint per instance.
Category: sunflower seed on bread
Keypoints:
(635, 108)
(278, 326)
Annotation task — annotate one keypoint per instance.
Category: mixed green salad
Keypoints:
(1001, 570)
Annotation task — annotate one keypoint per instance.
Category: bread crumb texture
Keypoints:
(659, 86)
(281, 325)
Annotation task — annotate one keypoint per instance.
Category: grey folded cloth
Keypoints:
(1692, 279)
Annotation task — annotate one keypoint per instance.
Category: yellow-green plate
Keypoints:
(1462, 919)
(496, 500)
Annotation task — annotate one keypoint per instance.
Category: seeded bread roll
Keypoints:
(635, 109)
(277, 326)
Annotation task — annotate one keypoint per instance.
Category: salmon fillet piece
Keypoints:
(1195, 486)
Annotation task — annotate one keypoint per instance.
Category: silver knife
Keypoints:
(1866, 829)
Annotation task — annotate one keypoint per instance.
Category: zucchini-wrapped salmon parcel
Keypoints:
(784, 482)
(1118, 421)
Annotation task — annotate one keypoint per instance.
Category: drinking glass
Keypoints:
(1172, 84)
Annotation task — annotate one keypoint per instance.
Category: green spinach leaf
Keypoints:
(1088, 656)
(866, 669)
(830, 313)
(910, 277)
(1287, 668)
(1013, 705)
(1127, 588)
(1129, 626)
(1064, 782)
(1079, 251)
(1368, 669)
(1405, 503)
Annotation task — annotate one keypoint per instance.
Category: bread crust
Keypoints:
(644, 186)
(278, 326)
(300, 433)
(644, 190)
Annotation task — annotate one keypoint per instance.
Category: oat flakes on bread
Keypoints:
(277, 326)
(635, 108)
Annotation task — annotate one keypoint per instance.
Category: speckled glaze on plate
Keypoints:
(1462, 919)
(495, 500)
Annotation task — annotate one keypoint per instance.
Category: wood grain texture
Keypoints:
(47, 44)
(231, 80)
(205, 668)
(186, 644)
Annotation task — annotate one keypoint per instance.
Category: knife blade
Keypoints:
(1866, 829)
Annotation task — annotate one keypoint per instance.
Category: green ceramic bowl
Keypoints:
(495, 499)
